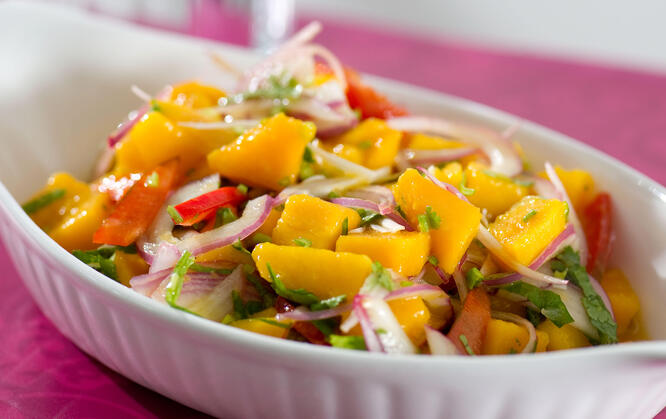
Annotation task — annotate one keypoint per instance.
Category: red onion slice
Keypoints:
(372, 342)
(443, 185)
(533, 277)
(255, 213)
(125, 126)
(362, 203)
(348, 167)
(439, 344)
(380, 326)
(374, 193)
(319, 186)
(166, 256)
(545, 189)
(578, 227)
(411, 157)
(503, 156)
(530, 346)
(146, 284)
(553, 248)
(303, 314)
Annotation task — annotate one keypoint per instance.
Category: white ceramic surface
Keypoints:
(64, 80)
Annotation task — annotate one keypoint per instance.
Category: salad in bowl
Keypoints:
(304, 205)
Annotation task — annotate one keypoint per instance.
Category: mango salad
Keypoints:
(302, 204)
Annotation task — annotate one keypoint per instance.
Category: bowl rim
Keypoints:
(211, 333)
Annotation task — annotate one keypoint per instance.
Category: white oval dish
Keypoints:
(67, 87)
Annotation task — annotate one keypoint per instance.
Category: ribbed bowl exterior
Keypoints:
(229, 380)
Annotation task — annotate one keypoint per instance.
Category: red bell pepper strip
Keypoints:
(469, 329)
(202, 206)
(370, 103)
(139, 206)
(306, 329)
(597, 218)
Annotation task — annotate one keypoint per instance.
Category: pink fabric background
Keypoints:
(620, 112)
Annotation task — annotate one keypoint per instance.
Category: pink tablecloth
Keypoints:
(42, 374)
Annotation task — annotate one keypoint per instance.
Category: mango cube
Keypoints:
(503, 337)
(128, 266)
(529, 226)
(579, 185)
(542, 341)
(623, 299)
(412, 315)
(427, 142)
(459, 220)
(495, 193)
(404, 252)
(565, 337)
(76, 192)
(313, 219)
(322, 272)
(268, 155)
(379, 142)
(451, 173)
(77, 228)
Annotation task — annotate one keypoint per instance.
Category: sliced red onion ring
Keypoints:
(560, 242)
(331, 60)
(319, 186)
(219, 302)
(411, 157)
(125, 126)
(439, 344)
(146, 284)
(255, 213)
(578, 227)
(545, 189)
(160, 229)
(530, 346)
(380, 326)
(380, 195)
(503, 156)
(443, 185)
(362, 203)
(534, 277)
(303, 314)
(372, 341)
(166, 256)
(348, 167)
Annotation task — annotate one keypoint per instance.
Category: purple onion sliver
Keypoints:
(307, 316)
(443, 185)
(125, 126)
(372, 341)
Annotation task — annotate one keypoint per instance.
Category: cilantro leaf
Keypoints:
(242, 188)
(465, 342)
(153, 180)
(238, 245)
(299, 296)
(602, 320)
(328, 303)
(277, 88)
(368, 217)
(224, 216)
(463, 188)
(242, 309)
(429, 221)
(529, 215)
(195, 267)
(267, 297)
(43, 200)
(176, 280)
(99, 261)
(345, 226)
(175, 215)
(549, 303)
(474, 278)
(424, 227)
(380, 277)
(302, 242)
(433, 260)
(347, 342)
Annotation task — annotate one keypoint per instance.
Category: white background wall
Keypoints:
(625, 32)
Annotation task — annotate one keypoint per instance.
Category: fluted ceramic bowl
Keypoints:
(64, 82)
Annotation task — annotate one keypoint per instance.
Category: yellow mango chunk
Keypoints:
(542, 341)
(264, 323)
(459, 220)
(579, 185)
(268, 155)
(75, 192)
(565, 337)
(75, 231)
(504, 337)
(427, 142)
(451, 173)
(379, 142)
(495, 193)
(347, 151)
(128, 266)
(226, 254)
(195, 95)
(413, 315)
(404, 252)
(313, 219)
(623, 299)
(529, 226)
(323, 272)
(270, 223)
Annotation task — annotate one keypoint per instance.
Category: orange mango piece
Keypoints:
(226, 254)
(264, 323)
(529, 226)
(268, 155)
(427, 142)
(195, 95)
(313, 219)
(451, 173)
(404, 252)
(75, 191)
(495, 193)
(128, 266)
(379, 142)
(459, 220)
(504, 337)
(413, 315)
(322, 272)
(76, 230)
(623, 299)
(579, 185)
(542, 341)
(565, 337)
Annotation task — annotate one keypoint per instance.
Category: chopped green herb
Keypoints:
(463, 188)
(285, 181)
(209, 269)
(228, 319)
(274, 322)
(497, 175)
(433, 218)
(380, 277)
(535, 317)
(238, 245)
(224, 216)
(474, 278)
(364, 145)
(306, 170)
(308, 156)
(345, 226)
(549, 303)
(261, 238)
(153, 180)
(43, 200)
(513, 351)
(368, 217)
(303, 242)
(175, 215)
(529, 215)
(333, 194)
(242, 309)
(424, 227)
(381, 331)
(524, 183)
(560, 274)
(154, 106)
(347, 342)
(242, 188)
(176, 279)
(433, 260)
(267, 297)
(465, 342)
(278, 88)
(100, 260)
(299, 296)
(406, 284)
(325, 326)
(602, 320)
(328, 303)
(400, 211)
